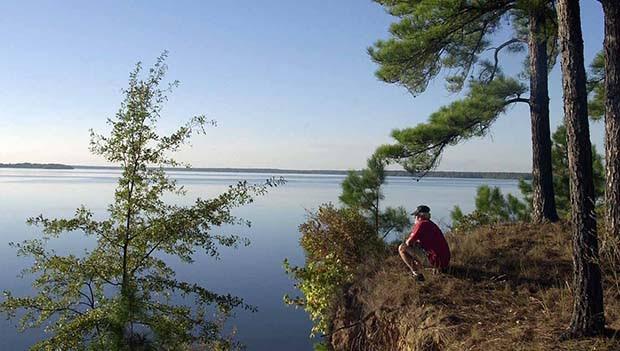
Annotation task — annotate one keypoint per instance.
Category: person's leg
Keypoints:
(406, 253)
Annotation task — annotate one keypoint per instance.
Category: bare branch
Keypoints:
(496, 55)
(517, 99)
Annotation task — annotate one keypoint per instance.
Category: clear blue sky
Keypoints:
(289, 82)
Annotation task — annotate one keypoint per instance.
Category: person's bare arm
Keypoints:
(408, 242)
(413, 238)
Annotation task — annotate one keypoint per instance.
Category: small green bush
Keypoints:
(491, 207)
(337, 243)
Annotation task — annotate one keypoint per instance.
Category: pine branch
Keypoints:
(496, 55)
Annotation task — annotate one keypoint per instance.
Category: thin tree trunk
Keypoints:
(377, 215)
(611, 9)
(543, 197)
(588, 318)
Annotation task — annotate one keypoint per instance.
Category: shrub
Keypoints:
(337, 243)
(491, 207)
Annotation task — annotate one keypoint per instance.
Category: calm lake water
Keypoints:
(254, 273)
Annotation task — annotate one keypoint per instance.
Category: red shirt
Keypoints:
(432, 241)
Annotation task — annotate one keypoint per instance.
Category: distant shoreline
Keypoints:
(435, 174)
(29, 165)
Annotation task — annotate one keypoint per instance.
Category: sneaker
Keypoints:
(418, 277)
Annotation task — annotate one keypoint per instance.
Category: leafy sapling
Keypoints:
(118, 295)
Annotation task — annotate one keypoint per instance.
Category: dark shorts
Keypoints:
(419, 253)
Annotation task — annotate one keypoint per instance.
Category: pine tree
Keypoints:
(561, 174)
(493, 207)
(436, 34)
(588, 317)
(541, 30)
(361, 191)
(611, 10)
(596, 87)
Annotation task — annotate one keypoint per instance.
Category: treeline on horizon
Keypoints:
(35, 165)
(389, 173)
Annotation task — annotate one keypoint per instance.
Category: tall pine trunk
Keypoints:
(543, 197)
(611, 9)
(588, 318)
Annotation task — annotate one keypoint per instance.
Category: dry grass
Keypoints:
(508, 288)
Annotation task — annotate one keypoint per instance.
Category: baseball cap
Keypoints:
(421, 209)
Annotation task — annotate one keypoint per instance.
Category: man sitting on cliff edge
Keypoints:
(425, 246)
